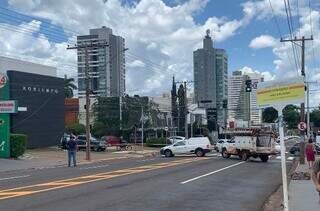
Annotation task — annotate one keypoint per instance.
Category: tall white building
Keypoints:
(238, 98)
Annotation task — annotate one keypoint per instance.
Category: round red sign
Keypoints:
(302, 126)
(3, 80)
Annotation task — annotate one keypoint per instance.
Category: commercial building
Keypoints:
(211, 77)
(7, 63)
(71, 112)
(106, 66)
(43, 100)
(238, 98)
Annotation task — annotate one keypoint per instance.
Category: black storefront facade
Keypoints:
(43, 96)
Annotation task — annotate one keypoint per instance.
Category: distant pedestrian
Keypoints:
(310, 153)
(72, 150)
(315, 175)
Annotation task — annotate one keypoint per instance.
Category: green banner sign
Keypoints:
(4, 119)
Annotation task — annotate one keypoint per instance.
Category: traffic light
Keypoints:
(248, 85)
(211, 119)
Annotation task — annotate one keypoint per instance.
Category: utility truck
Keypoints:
(251, 142)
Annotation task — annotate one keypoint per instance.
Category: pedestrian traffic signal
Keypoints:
(248, 85)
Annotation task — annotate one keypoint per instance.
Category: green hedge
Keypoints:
(18, 144)
(157, 142)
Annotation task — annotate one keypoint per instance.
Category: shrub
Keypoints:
(18, 144)
(76, 128)
(157, 142)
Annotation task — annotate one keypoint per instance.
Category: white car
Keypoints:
(175, 139)
(220, 144)
(196, 145)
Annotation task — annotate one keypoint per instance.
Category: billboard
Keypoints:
(281, 92)
(43, 97)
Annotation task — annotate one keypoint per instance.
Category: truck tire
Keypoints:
(168, 153)
(244, 156)
(225, 154)
(264, 158)
(199, 152)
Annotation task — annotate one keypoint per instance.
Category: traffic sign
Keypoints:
(302, 126)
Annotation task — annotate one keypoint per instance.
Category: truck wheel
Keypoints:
(225, 154)
(264, 158)
(168, 153)
(244, 156)
(199, 153)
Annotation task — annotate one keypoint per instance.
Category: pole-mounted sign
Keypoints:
(278, 94)
(4, 117)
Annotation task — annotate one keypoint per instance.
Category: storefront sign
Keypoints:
(8, 107)
(4, 119)
(286, 92)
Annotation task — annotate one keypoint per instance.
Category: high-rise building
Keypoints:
(238, 98)
(106, 64)
(211, 77)
(222, 84)
(106, 67)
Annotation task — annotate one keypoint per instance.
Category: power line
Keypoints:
(289, 22)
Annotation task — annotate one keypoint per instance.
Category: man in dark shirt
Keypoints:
(72, 150)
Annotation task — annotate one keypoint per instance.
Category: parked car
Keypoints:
(175, 139)
(196, 145)
(95, 144)
(64, 140)
(295, 150)
(111, 140)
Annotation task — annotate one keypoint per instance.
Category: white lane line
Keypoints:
(17, 177)
(94, 167)
(210, 173)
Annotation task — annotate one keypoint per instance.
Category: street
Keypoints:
(179, 183)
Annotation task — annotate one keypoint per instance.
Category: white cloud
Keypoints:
(263, 41)
(153, 30)
(267, 75)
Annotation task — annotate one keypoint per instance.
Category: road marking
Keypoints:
(213, 172)
(59, 184)
(17, 177)
(94, 167)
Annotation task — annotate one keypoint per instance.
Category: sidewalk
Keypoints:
(53, 157)
(302, 193)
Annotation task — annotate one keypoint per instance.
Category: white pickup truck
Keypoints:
(254, 145)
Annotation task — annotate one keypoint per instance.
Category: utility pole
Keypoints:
(120, 110)
(142, 123)
(86, 47)
(303, 73)
(185, 110)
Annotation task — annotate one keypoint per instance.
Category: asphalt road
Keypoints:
(180, 183)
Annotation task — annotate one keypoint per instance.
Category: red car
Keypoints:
(111, 140)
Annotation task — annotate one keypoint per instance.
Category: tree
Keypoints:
(76, 128)
(291, 116)
(269, 115)
(315, 117)
(182, 109)
(69, 87)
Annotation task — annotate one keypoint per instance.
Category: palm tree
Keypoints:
(69, 87)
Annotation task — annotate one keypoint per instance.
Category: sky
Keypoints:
(162, 34)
